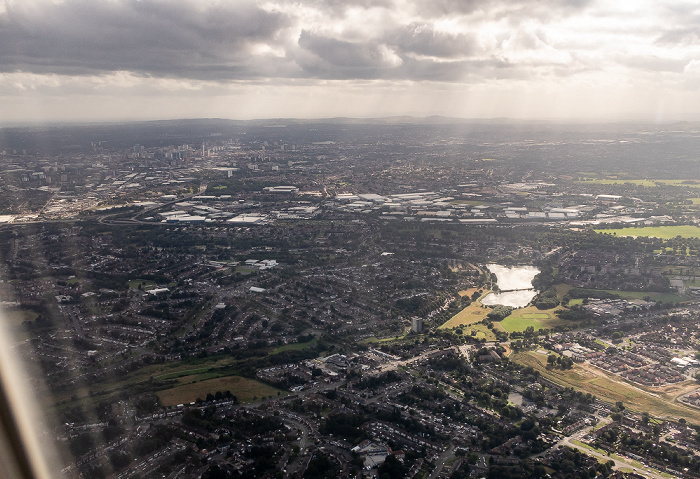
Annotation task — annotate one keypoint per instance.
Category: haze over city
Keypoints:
(556, 59)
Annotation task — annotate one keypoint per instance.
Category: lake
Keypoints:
(517, 281)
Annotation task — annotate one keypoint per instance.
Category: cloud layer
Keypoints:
(87, 47)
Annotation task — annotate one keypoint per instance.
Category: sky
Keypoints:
(568, 60)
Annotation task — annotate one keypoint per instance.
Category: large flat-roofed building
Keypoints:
(185, 219)
(251, 219)
(281, 189)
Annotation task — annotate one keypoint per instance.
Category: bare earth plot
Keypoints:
(659, 402)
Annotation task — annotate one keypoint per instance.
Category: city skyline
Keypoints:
(573, 60)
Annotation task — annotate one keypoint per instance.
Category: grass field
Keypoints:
(665, 297)
(590, 448)
(468, 292)
(246, 390)
(134, 284)
(617, 181)
(181, 373)
(520, 319)
(521, 324)
(470, 318)
(15, 317)
(640, 182)
(659, 402)
(244, 269)
(295, 346)
(188, 370)
(681, 270)
(663, 232)
(473, 313)
(562, 289)
(375, 339)
(631, 462)
(690, 183)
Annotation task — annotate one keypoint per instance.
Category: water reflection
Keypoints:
(514, 299)
(516, 281)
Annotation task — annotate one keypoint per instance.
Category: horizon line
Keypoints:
(407, 118)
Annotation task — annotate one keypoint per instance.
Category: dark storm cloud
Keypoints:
(146, 37)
